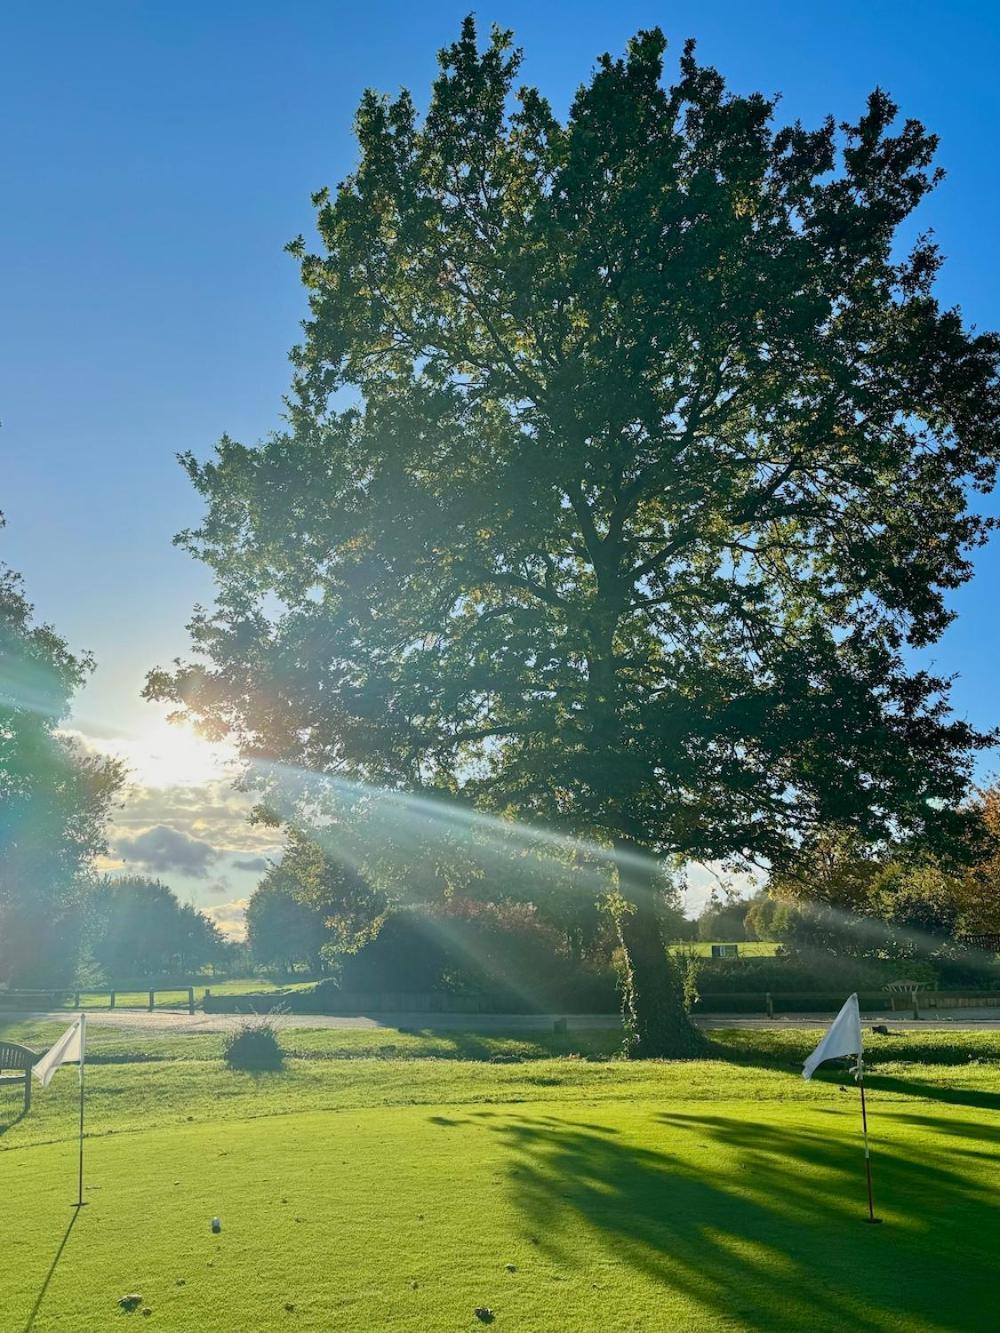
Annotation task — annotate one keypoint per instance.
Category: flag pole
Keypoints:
(875, 1221)
(83, 1061)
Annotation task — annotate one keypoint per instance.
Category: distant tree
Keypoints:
(233, 959)
(198, 942)
(54, 798)
(674, 925)
(722, 918)
(679, 928)
(282, 930)
(889, 900)
(979, 891)
(340, 908)
(762, 916)
(659, 463)
(139, 928)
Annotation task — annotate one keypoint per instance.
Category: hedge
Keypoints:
(326, 998)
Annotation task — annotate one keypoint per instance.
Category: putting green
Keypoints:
(646, 1212)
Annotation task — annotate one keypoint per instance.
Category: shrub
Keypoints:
(254, 1047)
(465, 947)
(967, 968)
(806, 970)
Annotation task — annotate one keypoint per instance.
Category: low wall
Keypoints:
(355, 1004)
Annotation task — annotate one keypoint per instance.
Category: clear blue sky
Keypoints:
(156, 158)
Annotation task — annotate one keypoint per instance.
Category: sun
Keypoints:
(171, 754)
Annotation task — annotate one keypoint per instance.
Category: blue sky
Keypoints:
(157, 157)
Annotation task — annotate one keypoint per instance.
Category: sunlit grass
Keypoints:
(388, 1180)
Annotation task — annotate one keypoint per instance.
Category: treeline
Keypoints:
(59, 923)
(54, 798)
(844, 913)
(137, 927)
(845, 897)
(494, 931)
(127, 927)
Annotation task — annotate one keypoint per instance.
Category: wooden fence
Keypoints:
(70, 999)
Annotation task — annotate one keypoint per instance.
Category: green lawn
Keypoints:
(390, 1181)
(747, 948)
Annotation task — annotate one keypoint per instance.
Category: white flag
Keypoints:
(843, 1038)
(70, 1048)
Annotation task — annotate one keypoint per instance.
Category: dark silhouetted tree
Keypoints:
(54, 798)
(338, 909)
(282, 930)
(138, 927)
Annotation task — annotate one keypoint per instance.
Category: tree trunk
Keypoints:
(656, 1025)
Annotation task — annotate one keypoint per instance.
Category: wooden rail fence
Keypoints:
(58, 999)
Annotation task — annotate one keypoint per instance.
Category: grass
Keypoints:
(747, 948)
(398, 1181)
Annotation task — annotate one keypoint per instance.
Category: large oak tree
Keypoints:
(625, 460)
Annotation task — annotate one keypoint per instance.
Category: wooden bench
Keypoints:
(21, 1059)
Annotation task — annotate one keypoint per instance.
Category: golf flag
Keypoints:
(843, 1038)
(69, 1049)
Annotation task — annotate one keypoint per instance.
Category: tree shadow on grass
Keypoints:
(761, 1225)
(934, 1092)
(957, 1054)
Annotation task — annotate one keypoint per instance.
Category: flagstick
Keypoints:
(868, 1161)
(83, 1051)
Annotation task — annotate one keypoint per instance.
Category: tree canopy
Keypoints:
(138, 927)
(655, 458)
(892, 899)
(311, 906)
(54, 797)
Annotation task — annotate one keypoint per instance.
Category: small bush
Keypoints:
(253, 1047)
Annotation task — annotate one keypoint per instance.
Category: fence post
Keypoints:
(113, 998)
(76, 1000)
(769, 1005)
(152, 1001)
(190, 999)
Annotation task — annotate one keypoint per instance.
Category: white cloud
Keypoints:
(700, 879)
(230, 918)
(213, 812)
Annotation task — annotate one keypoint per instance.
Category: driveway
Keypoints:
(183, 1024)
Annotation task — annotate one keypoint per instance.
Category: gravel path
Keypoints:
(184, 1024)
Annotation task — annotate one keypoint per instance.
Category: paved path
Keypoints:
(182, 1024)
